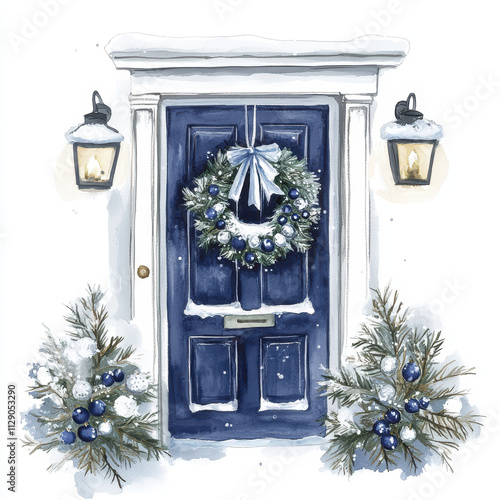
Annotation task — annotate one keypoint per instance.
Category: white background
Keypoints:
(441, 254)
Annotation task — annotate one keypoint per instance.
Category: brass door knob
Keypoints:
(143, 272)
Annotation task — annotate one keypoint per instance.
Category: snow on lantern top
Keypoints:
(96, 133)
(95, 129)
(419, 130)
(410, 124)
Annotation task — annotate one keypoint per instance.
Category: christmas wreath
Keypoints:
(397, 404)
(91, 395)
(271, 170)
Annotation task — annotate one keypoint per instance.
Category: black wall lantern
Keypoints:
(95, 147)
(412, 142)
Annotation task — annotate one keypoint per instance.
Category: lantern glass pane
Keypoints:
(94, 164)
(414, 160)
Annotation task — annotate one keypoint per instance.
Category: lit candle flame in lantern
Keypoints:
(93, 169)
(413, 170)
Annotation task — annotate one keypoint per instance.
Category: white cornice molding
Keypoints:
(135, 51)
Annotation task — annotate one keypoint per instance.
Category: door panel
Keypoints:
(283, 372)
(209, 284)
(248, 382)
(213, 374)
(287, 282)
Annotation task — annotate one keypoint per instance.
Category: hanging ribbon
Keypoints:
(257, 160)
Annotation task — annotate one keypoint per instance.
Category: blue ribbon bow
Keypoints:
(262, 173)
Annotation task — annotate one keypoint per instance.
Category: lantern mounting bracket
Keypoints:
(403, 112)
(101, 113)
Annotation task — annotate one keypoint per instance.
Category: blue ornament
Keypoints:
(220, 224)
(306, 214)
(267, 245)
(80, 415)
(287, 209)
(107, 379)
(97, 408)
(295, 217)
(238, 243)
(389, 441)
(211, 213)
(87, 433)
(68, 437)
(411, 371)
(282, 220)
(423, 402)
(118, 375)
(381, 427)
(293, 194)
(250, 258)
(393, 416)
(213, 190)
(412, 406)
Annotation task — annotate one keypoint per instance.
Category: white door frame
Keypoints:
(166, 71)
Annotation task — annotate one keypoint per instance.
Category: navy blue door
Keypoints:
(247, 381)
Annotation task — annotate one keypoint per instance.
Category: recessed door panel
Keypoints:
(213, 374)
(284, 373)
(209, 284)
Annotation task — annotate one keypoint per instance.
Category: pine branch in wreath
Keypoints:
(90, 393)
(397, 405)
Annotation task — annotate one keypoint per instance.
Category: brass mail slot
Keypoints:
(249, 321)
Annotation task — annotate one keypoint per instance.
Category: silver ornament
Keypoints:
(105, 428)
(300, 203)
(86, 347)
(386, 392)
(71, 355)
(288, 231)
(125, 406)
(137, 383)
(389, 365)
(254, 241)
(407, 434)
(82, 390)
(223, 237)
(219, 208)
(279, 240)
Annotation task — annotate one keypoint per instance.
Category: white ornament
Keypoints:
(85, 348)
(105, 428)
(82, 390)
(288, 231)
(125, 406)
(219, 208)
(386, 392)
(43, 376)
(345, 416)
(280, 240)
(300, 203)
(71, 355)
(389, 365)
(254, 241)
(137, 383)
(453, 405)
(407, 434)
(223, 237)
